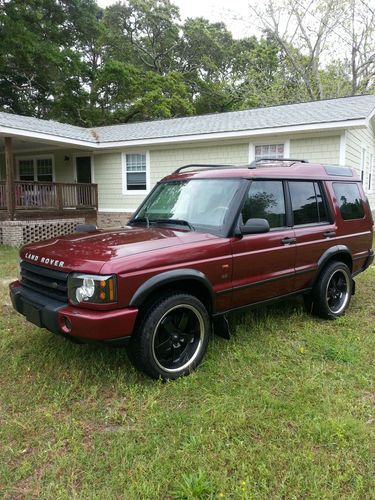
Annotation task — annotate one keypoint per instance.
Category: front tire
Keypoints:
(172, 336)
(333, 291)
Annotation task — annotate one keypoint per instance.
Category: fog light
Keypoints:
(66, 324)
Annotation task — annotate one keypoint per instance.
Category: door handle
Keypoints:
(288, 241)
(329, 234)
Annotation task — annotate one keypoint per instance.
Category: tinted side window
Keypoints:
(349, 200)
(265, 201)
(307, 203)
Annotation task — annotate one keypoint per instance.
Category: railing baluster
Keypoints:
(51, 196)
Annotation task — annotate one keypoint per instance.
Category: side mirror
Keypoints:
(255, 226)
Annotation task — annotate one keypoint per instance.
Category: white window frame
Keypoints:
(362, 166)
(34, 160)
(135, 192)
(370, 185)
(269, 142)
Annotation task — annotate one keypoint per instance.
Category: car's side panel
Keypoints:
(263, 266)
(311, 243)
(212, 258)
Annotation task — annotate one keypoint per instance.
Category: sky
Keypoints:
(234, 13)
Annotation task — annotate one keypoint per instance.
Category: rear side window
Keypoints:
(265, 200)
(307, 203)
(349, 200)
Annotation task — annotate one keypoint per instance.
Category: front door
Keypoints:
(83, 165)
(263, 264)
(84, 194)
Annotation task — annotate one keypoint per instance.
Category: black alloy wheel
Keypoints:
(172, 336)
(178, 337)
(337, 293)
(332, 292)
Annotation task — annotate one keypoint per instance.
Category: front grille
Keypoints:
(49, 282)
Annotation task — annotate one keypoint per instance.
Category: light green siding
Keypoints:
(356, 140)
(162, 161)
(316, 149)
(108, 176)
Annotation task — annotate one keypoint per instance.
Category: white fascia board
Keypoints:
(20, 133)
(370, 116)
(233, 135)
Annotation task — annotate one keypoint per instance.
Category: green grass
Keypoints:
(285, 409)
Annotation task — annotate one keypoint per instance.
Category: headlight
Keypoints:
(93, 289)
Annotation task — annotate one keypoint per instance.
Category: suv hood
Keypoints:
(88, 252)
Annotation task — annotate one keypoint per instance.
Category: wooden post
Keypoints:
(9, 178)
(59, 197)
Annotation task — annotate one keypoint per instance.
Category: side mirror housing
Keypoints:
(255, 226)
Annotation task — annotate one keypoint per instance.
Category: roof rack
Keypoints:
(202, 165)
(253, 164)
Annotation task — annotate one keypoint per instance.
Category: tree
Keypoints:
(324, 39)
(144, 33)
(42, 71)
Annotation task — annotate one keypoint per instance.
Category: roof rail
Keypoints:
(202, 165)
(253, 164)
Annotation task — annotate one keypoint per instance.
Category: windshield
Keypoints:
(191, 203)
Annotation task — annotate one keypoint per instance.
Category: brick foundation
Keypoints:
(17, 233)
(107, 220)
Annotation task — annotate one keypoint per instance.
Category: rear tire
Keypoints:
(332, 292)
(171, 337)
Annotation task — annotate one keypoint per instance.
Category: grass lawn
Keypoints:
(283, 410)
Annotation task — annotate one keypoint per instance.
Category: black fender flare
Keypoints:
(174, 276)
(328, 254)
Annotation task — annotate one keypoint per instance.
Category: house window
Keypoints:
(269, 151)
(363, 164)
(35, 169)
(136, 172)
(371, 173)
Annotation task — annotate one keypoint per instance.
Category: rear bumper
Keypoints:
(72, 322)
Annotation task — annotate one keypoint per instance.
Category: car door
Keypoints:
(313, 228)
(263, 264)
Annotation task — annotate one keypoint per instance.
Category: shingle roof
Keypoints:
(49, 127)
(333, 110)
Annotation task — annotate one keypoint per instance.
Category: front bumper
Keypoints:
(72, 322)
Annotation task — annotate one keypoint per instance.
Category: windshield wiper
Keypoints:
(179, 222)
(141, 220)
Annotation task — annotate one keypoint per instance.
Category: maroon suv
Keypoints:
(207, 240)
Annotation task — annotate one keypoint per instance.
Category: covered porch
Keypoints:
(38, 180)
(46, 184)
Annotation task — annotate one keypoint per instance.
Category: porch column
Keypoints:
(9, 178)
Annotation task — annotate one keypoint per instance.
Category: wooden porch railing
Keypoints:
(55, 196)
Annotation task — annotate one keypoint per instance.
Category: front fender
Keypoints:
(167, 277)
